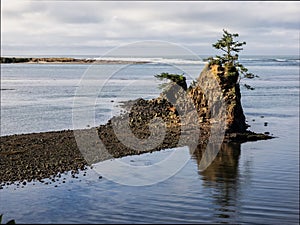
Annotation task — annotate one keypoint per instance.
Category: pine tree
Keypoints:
(229, 59)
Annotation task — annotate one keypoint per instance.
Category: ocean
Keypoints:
(254, 182)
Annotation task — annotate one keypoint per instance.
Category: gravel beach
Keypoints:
(41, 155)
(36, 156)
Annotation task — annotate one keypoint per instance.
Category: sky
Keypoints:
(93, 27)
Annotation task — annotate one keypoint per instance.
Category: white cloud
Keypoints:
(30, 26)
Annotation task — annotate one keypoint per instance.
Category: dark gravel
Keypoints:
(37, 156)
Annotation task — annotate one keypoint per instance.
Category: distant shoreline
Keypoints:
(65, 60)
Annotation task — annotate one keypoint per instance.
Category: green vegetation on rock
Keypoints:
(228, 62)
(176, 78)
(228, 71)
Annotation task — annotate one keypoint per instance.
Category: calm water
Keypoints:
(255, 182)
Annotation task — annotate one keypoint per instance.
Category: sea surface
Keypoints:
(254, 182)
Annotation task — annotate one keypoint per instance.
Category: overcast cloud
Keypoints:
(92, 27)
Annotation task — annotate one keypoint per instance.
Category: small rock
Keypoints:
(266, 124)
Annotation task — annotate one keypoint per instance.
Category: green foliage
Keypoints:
(9, 222)
(229, 58)
(176, 78)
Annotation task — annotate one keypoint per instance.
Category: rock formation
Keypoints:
(213, 78)
(216, 88)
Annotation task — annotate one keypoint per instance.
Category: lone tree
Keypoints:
(204, 91)
(229, 60)
(228, 63)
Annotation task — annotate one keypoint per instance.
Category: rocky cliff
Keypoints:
(219, 85)
(212, 102)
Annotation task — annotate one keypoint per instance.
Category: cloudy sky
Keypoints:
(93, 27)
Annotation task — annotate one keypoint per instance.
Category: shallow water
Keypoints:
(254, 182)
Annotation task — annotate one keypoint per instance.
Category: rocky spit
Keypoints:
(37, 156)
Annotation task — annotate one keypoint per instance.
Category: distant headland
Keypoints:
(68, 60)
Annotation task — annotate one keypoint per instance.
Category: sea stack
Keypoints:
(215, 77)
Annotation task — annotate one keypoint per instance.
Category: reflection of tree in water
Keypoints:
(222, 176)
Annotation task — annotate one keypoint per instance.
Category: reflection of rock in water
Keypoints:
(222, 176)
(224, 165)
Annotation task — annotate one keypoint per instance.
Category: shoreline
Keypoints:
(38, 156)
(62, 60)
